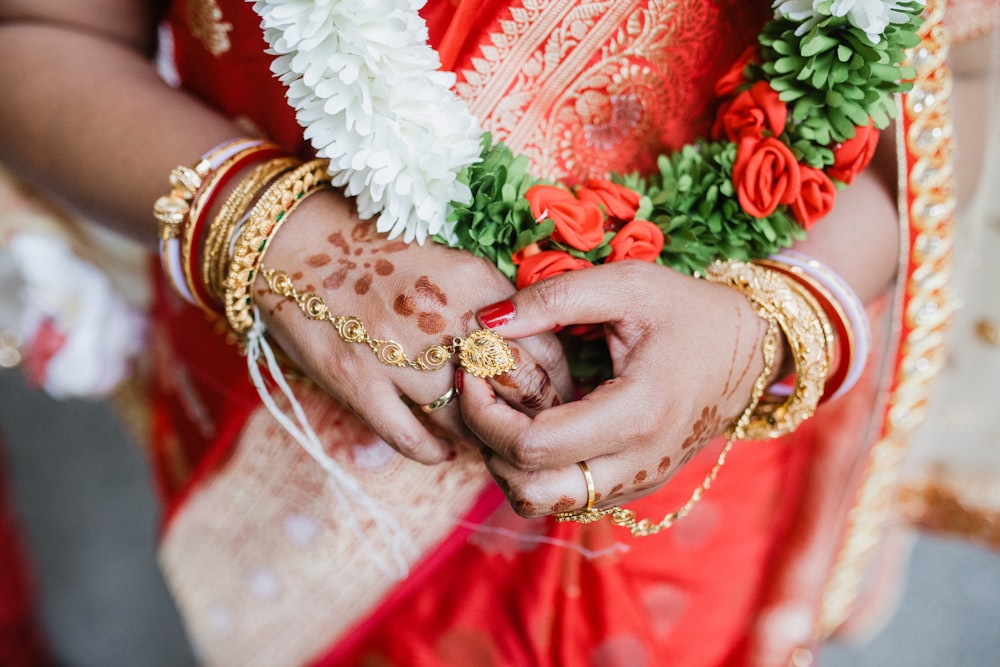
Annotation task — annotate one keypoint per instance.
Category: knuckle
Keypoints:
(531, 454)
(527, 501)
(533, 386)
(416, 447)
(522, 458)
(550, 295)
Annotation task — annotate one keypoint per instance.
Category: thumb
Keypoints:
(584, 296)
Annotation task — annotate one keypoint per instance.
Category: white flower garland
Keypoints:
(870, 16)
(367, 90)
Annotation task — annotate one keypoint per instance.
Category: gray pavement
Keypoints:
(84, 497)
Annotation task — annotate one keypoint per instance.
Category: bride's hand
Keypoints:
(686, 353)
(416, 295)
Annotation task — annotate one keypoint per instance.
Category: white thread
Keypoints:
(542, 539)
(347, 492)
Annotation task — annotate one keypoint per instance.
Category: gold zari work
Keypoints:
(204, 19)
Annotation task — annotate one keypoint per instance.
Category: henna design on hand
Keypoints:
(363, 284)
(705, 428)
(316, 261)
(431, 323)
(664, 466)
(565, 503)
(425, 287)
(336, 239)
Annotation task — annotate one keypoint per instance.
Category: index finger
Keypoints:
(593, 295)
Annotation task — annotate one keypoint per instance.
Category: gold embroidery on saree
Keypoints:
(263, 564)
(204, 19)
(574, 86)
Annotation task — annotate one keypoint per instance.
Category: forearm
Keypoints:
(92, 122)
(859, 239)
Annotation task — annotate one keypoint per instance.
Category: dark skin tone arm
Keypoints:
(94, 125)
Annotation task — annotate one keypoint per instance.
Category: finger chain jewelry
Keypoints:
(482, 353)
(645, 527)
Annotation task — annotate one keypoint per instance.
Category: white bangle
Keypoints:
(853, 308)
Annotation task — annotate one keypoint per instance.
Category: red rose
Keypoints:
(815, 198)
(579, 224)
(751, 113)
(546, 264)
(851, 157)
(639, 239)
(618, 201)
(731, 80)
(765, 175)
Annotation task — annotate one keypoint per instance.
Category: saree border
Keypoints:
(921, 309)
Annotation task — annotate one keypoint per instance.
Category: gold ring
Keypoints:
(591, 492)
(446, 398)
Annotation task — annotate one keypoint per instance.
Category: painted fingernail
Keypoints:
(459, 380)
(496, 314)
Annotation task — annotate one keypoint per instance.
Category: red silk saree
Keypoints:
(264, 569)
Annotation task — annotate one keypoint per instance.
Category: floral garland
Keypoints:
(799, 117)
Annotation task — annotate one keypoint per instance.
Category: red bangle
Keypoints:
(843, 336)
(192, 246)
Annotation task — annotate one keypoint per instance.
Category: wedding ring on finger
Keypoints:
(591, 492)
(588, 514)
(438, 403)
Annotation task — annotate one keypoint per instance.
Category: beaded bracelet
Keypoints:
(223, 229)
(268, 214)
(809, 337)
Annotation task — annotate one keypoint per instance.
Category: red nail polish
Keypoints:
(459, 380)
(496, 314)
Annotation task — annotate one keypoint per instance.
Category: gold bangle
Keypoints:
(215, 257)
(482, 353)
(645, 527)
(807, 330)
(204, 197)
(172, 209)
(266, 217)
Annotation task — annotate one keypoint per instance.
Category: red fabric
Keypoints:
(686, 597)
(21, 640)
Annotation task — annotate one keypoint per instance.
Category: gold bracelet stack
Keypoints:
(268, 214)
(212, 261)
(215, 259)
(807, 330)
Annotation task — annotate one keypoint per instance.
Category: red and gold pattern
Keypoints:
(922, 307)
(582, 88)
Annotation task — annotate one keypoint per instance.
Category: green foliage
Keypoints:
(498, 220)
(693, 201)
(834, 79)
